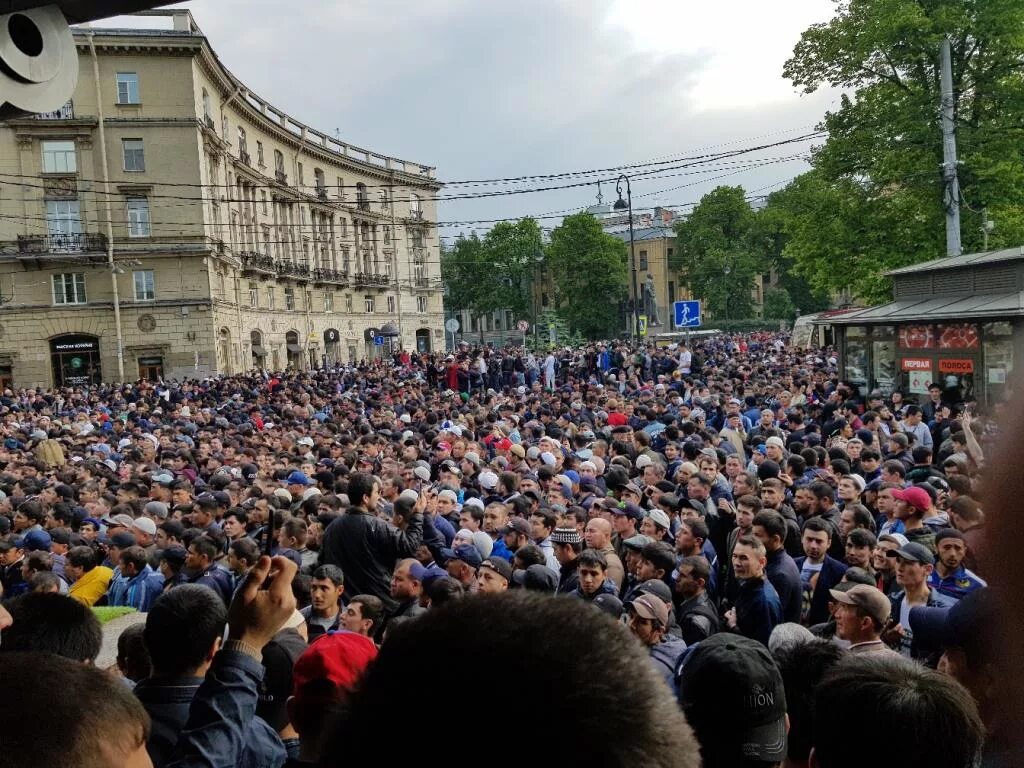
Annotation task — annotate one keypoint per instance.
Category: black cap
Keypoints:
(175, 556)
(608, 603)
(732, 694)
(538, 578)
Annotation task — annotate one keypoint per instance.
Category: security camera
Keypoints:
(38, 60)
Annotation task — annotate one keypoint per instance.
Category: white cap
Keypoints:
(488, 480)
(449, 494)
(473, 502)
(405, 418)
(307, 441)
(422, 473)
(548, 458)
(145, 525)
(643, 460)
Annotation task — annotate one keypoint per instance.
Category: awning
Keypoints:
(258, 350)
(389, 329)
(295, 349)
(933, 309)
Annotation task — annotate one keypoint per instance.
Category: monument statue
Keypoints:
(651, 302)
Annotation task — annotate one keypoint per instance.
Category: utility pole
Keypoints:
(949, 162)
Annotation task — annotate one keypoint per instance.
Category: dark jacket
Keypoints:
(698, 619)
(831, 574)
(665, 656)
(785, 577)
(568, 578)
(758, 609)
(607, 588)
(168, 701)
(217, 579)
(366, 547)
(910, 647)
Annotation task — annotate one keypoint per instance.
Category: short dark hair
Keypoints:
(531, 554)
(83, 557)
(862, 537)
(861, 517)
(817, 525)
(136, 556)
(92, 707)
(330, 572)
(773, 523)
(699, 565)
(53, 623)
(205, 546)
(660, 555)
(698, 528)
(371, 607)
(904, 700)
(802, 666)
(181, 628)
(622, 712)
(360, 485)
(822, 490)
(894, 467)
(245, 549)
(592, 557)
(548, 516)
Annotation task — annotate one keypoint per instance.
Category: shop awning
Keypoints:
(258, 350)
(962, 307)
(295, 349)
(389, 329)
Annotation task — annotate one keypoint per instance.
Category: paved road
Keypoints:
(111, 631)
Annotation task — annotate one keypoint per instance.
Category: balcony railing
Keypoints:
(281, 176)
(422, 282)
(66, 112)
(290, 269)
(368, 279)
(37, 245)
(362, 202)
(244, 157)
(416, 214)
(321, 192)
(329, 276)
(257, 262)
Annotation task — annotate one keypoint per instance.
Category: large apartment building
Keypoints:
(168, 222)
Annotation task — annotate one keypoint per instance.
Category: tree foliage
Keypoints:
(875, 199)
(590, 273)
(723, 252)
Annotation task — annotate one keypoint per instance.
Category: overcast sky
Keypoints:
(484, 89)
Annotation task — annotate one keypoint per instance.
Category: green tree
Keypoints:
(876, 198)
(722, 252)
(464, 271)
(778, 305)
(590, 273)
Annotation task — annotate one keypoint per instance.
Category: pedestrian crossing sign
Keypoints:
(641, 322)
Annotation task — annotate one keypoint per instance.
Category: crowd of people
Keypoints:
(723, 555)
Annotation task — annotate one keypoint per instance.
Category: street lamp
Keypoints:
(627, 205)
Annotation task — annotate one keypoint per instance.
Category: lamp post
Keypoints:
(627, 205)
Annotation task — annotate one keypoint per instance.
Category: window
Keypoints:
(266, 242)
(643, 259)
(224, 128)
(414, 204)
(138, 217)
(259, 154)
(278, 161)
(263, 197)
(243, 146)
(69, 288)
(270, 297)
(298, 172)
(343, 228)
(387, 234)
(127, 88)
(308, 298)
(391, 304)
(145, 285)
(328, 300)
(254, 294)
(289, 299)
(321, 181)
(421, 304)
(134, 156)
(341, 188)
(59, 157)
(417, 238)
(348, 303)
(63, 222)
(206, 105)
(368, 303)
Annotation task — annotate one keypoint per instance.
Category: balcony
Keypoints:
(257, 263)
(42, 245)
(366, 279)
(362, 202)
(66, 112)
(321, 192)
(281, 177)
(422, 282)
(292, 270)
(244, 157)
(329, 276)
(416, 215)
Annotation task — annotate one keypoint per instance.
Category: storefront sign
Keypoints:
(76, 346)
(916, 364)
(956, 366)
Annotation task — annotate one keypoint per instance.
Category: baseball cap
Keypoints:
(629, 509)
(175, 556)
(776, 441)
(518, 450)
(517, 525)
(467, 553)
(731, 691)
(145, 525)
(869, 599)
(895, 538)
(651, 607)
(608, 603)
(659, 518)
(488, 480)
(919, 553)
(297, 478)
(123, 540)
(420, 572)
(157, 509)
(916, 497)
(61, 535)
(37, 541)
(961, 626)
(499, 565)
(162, 478)
(306, 441)
(119, 520)
(566, 536)
(537, 578)
(331, 666)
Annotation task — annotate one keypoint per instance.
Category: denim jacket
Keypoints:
(211, 722)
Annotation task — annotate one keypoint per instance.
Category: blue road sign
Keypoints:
(378, 341)
(687, 314)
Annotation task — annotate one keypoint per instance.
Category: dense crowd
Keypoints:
(723, 553)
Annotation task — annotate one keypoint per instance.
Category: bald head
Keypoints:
(598, 533)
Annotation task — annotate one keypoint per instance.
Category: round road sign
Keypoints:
(451, 325)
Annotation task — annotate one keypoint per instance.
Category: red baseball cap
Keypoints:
(503, 445)
(916, 497)
(339, 658)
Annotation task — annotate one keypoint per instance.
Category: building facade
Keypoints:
(169, 207)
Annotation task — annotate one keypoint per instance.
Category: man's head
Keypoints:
(52, 623)
(405, 581)
(102, 725)
(861, 613)
(325, 590)
(732, 694)
(363, 615)
(879, 694)
(951, 548)
(611, 706)
(692, 576)
(770, 528)
(749, 557)
(598, 533)
(495, 574)
(183, 630)
(648, 618)
(914, 564)
(815, 538)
